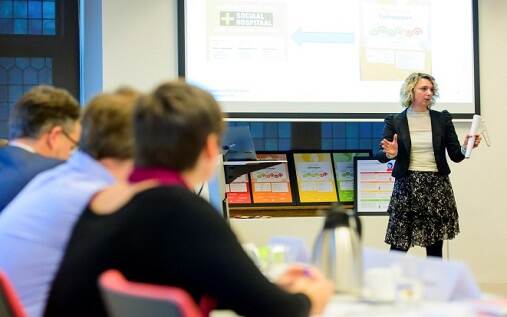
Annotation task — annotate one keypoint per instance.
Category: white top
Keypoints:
(422, 157)
(23, 146)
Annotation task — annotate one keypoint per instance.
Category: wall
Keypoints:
(480, 183)
(139, 48)
(90, 34)
(138, 40)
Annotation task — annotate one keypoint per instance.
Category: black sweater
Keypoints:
(165, 235)
(443, 137)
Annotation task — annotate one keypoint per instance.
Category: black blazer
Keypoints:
(444, 137)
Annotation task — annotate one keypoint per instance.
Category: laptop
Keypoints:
(237, 144)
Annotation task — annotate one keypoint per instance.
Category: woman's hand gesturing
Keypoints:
(390, 147)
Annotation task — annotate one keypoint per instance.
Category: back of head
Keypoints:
(107, 125)
(3, 142)
(40, 109)
(172, 125)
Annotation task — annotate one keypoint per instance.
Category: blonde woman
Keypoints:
(422, 210)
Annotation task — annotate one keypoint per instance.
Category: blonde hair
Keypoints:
(107, 126)
(407, 89)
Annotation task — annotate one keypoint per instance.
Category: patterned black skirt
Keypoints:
(422, 210)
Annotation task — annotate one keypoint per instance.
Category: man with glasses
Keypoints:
(43, 130)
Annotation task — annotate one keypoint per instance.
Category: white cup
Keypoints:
(380, 284)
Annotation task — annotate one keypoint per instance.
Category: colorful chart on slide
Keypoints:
(397, 43)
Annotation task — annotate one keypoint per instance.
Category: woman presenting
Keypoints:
(422, 210)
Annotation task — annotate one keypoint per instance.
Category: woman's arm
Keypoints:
(388, 135)
(452, 143)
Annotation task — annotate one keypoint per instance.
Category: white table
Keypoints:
(341, 306)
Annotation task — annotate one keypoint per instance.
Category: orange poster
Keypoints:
(271, 184)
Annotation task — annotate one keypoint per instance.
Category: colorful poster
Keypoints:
(238, 192)
(374, 185)
(344, 171)
(271, 184)
(315, 178)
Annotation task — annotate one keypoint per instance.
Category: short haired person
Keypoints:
(35, 226)
(169, 235)
(43, 130)
(422, 210)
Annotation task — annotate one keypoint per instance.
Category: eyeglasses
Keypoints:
(71, 139)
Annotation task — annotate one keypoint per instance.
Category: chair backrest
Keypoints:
(132, 299)
(10, 305)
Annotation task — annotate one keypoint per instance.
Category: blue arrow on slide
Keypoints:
(301, 37)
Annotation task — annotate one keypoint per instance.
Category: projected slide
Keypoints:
(395, 38)
(328, 56)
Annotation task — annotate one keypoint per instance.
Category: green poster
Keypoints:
(344, 171)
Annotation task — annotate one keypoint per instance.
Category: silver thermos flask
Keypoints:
(337, 250)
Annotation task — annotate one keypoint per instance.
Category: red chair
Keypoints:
(10, 305)
(131, 299)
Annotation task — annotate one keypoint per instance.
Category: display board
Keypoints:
(373, 185)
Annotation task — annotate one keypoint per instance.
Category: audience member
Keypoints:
(167, 234)
(43, 129)
(36, 225)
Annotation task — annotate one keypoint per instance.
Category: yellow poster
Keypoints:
(315, 177)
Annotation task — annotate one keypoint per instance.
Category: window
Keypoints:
(278, 136)
(351, 135)
(28, 17)
(269, 136)
(40, 45)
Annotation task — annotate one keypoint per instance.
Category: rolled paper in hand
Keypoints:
(474, 128)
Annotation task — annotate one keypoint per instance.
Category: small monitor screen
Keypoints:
(238, 145)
